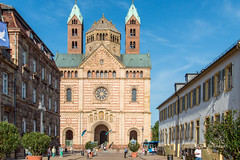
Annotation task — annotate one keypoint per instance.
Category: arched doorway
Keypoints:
(100, 134)
(69, 138)
(133, 135)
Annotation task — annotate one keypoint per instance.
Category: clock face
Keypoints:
(101, 93)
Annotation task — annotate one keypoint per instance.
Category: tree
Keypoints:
(225, 136)
(9, 138)
(155, 131)
(36, 142)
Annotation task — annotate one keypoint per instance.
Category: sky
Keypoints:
(182, 36)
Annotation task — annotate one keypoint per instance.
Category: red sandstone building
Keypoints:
(102, 90)
(36, 78)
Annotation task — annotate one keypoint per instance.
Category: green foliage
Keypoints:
(133, 146)
(225, 136)
(155, 131)
(90, 145)
(37, 143)
(9, 138)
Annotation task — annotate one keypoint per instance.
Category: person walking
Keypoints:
(53, 151)
(125, 152)
(61, 152)
(198, 153)
(88, 153)
(49, 153)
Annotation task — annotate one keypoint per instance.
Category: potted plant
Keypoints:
(133, 147)
(9, 139)
(36, 143)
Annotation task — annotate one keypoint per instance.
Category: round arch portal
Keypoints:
(100, 134)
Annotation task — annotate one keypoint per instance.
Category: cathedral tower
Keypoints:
(132, 31)
(75, 31)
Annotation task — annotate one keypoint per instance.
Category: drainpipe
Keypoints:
(15, 87)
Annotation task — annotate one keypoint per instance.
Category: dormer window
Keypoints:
(31, 35)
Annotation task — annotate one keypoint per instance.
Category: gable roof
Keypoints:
(103, 24)
(132, 11)
(69, 60)
(136, 60)
(75, 11)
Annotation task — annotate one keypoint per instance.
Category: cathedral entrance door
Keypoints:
(100, 134)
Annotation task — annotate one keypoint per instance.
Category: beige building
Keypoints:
(103, 91)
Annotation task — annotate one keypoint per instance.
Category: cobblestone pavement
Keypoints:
(112, 155)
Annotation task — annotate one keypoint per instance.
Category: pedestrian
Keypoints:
(53, 151)
(88, 153)
(61, 152)
(143, 151)
(155, 150)
(184, 154)
(49, 153)
(198, 153)
(125, 152)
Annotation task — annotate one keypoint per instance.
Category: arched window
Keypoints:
(97, 74)
(134, 95)
(134, 74)
(69, 74)
(75, 32)
(97, 37)
(72, 44)
(72, 32)
(76, 74)
(131, 32)
(141, 74)
(89, 74)
(62, 74)
(127, 74)
(101, 36)
(133, 135)
(131, 44)
(75, 44)
(134, 32)
(101, 74)
(111, 37)
(105, 75)
(114, 74)
(69, 95)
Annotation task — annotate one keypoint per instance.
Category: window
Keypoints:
(5, 83)
(50, 79)
(188, 100)
(194, 97)
(131, 44)
(34, 95)
(217, 84)
(209, 88)
(223, 80)
(43, 97)
(34, 66)
(56, 82)
(50, 103)
(89, 74)
(56, 108)
(43, 73)
(72, 32)
(24, 89)
(55, 128)
(198, 94)
(106, 74)
(34, 125)
(76, 74)
(69, 74)
(24, 125)
(183, 104)
(134, 74)
(228, 78)
(185, 131)
(24, 57)
(213, 86)
(114, 74)
(49, 130)
(127, 74)
(191, 129)
(97, 74)
(134, 31)
(174, 108)
(134, 95)
(74, 44)
(101, 74)
(204, 91)
(141, 74)
(69, 95)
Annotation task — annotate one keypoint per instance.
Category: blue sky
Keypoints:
(183, 36)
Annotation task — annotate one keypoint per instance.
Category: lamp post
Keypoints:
(41, 108)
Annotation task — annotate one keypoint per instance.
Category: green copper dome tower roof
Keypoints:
(75, 11)
(132, 11)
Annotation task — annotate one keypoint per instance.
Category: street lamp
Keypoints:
(41, 108)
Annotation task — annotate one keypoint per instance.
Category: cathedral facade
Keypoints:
(103, 92)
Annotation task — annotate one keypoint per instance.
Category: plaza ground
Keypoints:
(109, 155)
